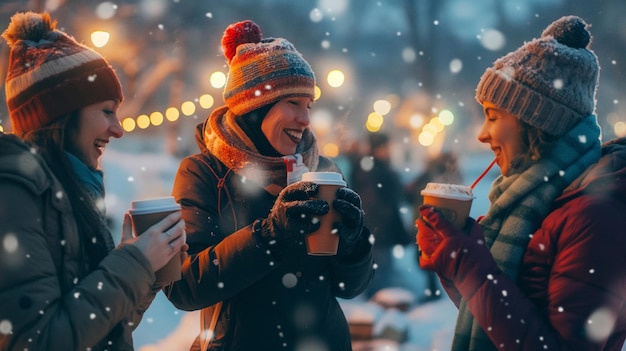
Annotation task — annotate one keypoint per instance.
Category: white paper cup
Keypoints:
(452, 200)
(144, 214)
(324, 241)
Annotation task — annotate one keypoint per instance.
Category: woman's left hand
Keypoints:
(350, 230)
(441, 244)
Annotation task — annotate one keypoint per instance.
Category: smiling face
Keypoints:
(503, 132)
(285, 122)
(97, 123)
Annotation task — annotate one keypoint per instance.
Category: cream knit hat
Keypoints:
(549, 82)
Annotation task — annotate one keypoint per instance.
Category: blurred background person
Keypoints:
(383, 195)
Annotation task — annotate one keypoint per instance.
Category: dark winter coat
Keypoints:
(49, 300)
(268, 303)
(572, 281)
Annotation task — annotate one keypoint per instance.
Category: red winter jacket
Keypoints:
(571, 288)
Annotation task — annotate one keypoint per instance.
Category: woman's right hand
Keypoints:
(159, 244)
(295, 214)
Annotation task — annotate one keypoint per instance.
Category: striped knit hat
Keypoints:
(50, 74)
(262, 70)
(549, 82)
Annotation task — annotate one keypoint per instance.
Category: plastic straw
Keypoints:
(482, 175)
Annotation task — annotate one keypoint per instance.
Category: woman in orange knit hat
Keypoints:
(248, 268)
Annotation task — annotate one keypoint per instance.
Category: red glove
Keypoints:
(441, 243)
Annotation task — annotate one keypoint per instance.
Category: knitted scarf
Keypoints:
(225, 139)
(519, 203)
(93, 183)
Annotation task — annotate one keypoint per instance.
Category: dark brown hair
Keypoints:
(51, 142)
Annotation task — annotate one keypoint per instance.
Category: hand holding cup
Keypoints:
(161, 242)
(159, 220)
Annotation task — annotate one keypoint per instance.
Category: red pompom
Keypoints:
(237, 34)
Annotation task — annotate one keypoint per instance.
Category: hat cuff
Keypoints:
(46, 106)
(525, 103)
(253, 98)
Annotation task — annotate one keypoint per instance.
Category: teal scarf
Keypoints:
(519, 203)
(92, 182)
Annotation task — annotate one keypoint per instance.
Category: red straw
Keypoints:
(483, 174)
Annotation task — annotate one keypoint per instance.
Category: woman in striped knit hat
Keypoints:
(64, 285)
(248, 269)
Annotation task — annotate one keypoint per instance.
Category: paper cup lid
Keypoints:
(448, 191)
(158, 204)
(324, 178)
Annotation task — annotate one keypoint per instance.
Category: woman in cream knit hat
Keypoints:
(545, 268)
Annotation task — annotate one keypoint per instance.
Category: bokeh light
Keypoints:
(492, 40)
(156, 118)
(382, 107)
(316, 15)
(456, 65)
(128, 124)
(143, 121)
(106, 10)
(318, 93)
(374, 122)
(446, 117)
(330, 150)
(335, 78)
(172, 114)
(100, 38)
(206, 101)
(619, 129)
(188, 108)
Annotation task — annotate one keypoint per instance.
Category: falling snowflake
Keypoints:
(290, 280)
(6, 327)
(10, 243)
(558, 84)
(600, 324)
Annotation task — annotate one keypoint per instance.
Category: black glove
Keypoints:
(350, 229)
(294, 214)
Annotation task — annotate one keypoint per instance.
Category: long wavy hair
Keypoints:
(536, 142)
(51, 142)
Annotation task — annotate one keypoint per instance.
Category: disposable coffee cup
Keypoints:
(144, 214)
(325, 241)
(452, 200)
